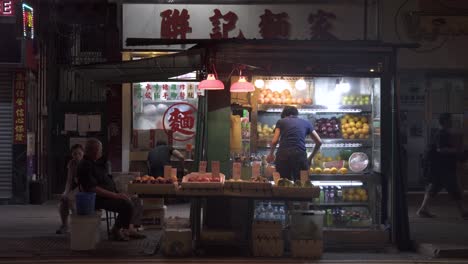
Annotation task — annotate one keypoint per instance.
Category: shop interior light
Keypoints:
(279, 85)
(211, 83)
(259, 83)
(337, 183)
(301, 85)
(342, 86)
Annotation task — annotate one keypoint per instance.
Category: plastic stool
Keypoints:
(84, 233)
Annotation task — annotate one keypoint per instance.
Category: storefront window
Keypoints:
(164, 111)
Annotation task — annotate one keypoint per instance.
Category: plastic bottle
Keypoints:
(282, 214)
(270, 212)
(331, 194)
(322, 195)
(329, 217)
(262, 215)
(339, 195)
(326, 194)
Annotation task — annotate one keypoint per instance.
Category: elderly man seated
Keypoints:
(93, 176)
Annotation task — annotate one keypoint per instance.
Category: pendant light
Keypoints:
(211, 83)
(242, 85)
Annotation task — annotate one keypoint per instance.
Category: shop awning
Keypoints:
(152, 69)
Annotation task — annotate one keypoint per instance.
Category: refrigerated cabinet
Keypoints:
(345, 112)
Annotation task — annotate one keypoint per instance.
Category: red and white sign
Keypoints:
(19, 110)
(324, 21)
(179, 121)
(7, 8)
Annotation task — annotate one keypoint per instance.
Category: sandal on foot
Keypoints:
(425, 214)
(136, 235)
(62, 230)
(118, 236)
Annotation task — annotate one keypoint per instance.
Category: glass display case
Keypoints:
(345, 112)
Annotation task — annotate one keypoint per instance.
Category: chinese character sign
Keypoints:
(28, 21)
(163, 91)
(317, 20)
(179, 121)
(19, 110)
(175, 24)
(274, 26)
(321, 25)
(7, 8)
(217, 31)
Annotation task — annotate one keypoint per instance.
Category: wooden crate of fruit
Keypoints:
(247, 188)
(148, 188)
(296, 192)
(200, 192)
(203, 181)
(151, 185)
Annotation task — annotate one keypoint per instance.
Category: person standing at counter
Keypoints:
(291, 132)
(160, 156)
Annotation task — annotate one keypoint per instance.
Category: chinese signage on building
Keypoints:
(28, 21)
(7, 8)
(302, 21)
(179, 121)
(19, 110)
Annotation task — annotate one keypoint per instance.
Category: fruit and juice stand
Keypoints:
(212, 185)
(347, 93)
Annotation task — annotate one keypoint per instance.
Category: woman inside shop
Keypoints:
(291, 132)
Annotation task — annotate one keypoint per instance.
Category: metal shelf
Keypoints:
(317, 109)
(329, 143)
(342, 204)
(339, 177)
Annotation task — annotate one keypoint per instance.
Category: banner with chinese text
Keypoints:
(19, 110)
(320, 21)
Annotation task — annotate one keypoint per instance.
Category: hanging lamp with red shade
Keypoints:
(211, 82)
(242, 85)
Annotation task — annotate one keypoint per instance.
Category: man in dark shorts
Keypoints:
(93, 176)
(160, 156)
(443, 166)
(291, 132)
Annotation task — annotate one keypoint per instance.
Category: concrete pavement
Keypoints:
(27, 233)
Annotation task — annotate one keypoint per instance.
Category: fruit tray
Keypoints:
(149, 188)
(203, 182)
(247, 185)
(296, 192)
(200, 192)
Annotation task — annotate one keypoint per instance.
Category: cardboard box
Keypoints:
(154, 218)
(152, 203)
(306, 248)
(268, 247)
(267, 230)
(177, 242)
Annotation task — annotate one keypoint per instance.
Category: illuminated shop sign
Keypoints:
(7, 8)
(28, 21)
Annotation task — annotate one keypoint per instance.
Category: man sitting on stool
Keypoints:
(93, 177)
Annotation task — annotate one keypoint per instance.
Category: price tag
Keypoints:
(167, 172)
(276, 177)
(304, 176)
(236, 170)
(215, 168)
(255, 169)
(202, 167)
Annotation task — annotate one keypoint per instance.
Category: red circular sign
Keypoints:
(179, 121)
